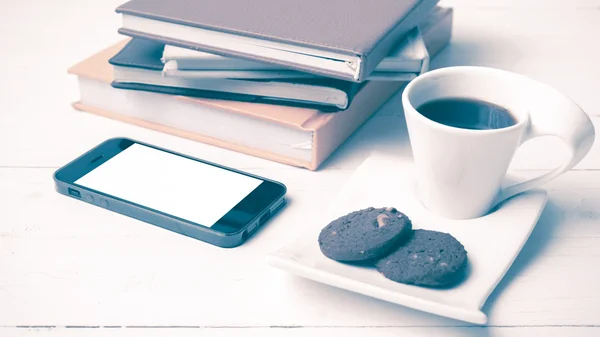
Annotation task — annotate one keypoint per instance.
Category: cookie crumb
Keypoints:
(381, 220)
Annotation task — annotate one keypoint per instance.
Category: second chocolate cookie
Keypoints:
(428, 258)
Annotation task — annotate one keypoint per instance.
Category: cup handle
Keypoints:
(561, 117)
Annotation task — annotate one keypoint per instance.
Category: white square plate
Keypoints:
(492, 243)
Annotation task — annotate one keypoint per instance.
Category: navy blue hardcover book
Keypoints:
(139, 66)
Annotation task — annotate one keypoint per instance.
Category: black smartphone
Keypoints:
(189, 196)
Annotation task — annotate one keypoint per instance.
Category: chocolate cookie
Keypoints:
(427, 258)
(364, 235)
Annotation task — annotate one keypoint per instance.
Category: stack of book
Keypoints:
(285, 81)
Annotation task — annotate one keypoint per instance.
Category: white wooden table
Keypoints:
(70, 269)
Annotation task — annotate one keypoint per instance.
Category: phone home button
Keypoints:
(104, 203)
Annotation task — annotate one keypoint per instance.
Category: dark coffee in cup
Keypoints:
(467, 113)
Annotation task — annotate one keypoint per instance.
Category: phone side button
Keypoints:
(89, 198)
(252, 227)
(104, 203)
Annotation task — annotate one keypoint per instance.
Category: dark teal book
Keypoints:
(138, 66)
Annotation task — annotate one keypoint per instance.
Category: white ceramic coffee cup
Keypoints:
(460, 172)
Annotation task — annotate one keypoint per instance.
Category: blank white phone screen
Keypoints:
(172, 184)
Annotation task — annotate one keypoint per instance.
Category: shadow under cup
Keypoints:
(460, 170)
